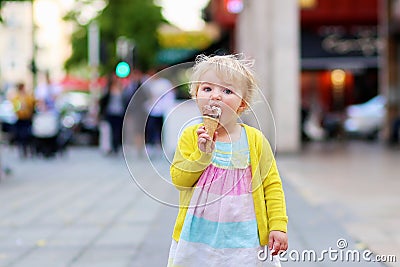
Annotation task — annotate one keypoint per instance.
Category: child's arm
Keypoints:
(189, 161)
(275, 201)
(275, 198)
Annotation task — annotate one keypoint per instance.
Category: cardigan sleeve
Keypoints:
(273, 191)
(189, 161)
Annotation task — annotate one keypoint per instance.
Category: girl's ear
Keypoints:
(243, 106)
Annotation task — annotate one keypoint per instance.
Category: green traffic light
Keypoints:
(122, 70)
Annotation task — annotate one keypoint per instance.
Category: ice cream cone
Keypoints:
(211, 124)
(211, 116)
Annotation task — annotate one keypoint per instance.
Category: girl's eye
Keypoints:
(228, 91)
(207, 89)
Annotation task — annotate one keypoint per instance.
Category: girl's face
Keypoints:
(215, 92)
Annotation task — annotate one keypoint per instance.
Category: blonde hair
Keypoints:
(230, 68)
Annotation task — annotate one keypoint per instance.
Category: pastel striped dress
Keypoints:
(220, 227)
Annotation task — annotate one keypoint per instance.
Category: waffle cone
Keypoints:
(211, 125)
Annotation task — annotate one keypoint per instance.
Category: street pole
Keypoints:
(33, 65)
(94, 44)
(94, 53)
(94, 61)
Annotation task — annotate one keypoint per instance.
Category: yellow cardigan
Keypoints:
(269, 200)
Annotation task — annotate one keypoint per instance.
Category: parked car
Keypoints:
(76, 118)
(366, 119)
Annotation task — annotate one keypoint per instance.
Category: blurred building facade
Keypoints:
(332, 44)
(33, 31)
(267, 31)
(339, 53)
(16, 45)
(319, 54)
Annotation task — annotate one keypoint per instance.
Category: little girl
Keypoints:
(232, 203)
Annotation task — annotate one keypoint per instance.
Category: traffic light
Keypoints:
(122, 69)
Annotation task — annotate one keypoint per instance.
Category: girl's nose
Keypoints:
(216, 95)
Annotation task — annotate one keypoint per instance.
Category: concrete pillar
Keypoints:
(390, 60)
(268, 32)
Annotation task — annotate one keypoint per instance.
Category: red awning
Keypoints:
(70, 83)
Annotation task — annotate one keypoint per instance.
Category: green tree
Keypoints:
(137, 20)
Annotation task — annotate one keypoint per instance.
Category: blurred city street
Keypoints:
(328, 99)
(81, 209)
(355, 185)
(84, 209)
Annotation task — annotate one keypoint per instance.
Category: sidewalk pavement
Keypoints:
(355, 183)
(84, 209)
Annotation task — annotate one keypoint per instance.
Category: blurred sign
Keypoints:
(331, 41)
(330, 47)
(172, 56)
(186, 40)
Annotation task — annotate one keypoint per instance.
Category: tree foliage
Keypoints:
(137, 20)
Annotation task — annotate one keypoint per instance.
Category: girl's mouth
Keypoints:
(214, 104)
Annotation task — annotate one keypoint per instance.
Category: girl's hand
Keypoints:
(278, 242)
(204, 141)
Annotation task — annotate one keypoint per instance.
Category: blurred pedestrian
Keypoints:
(24, 107)
(46, 121)
(136, 111)
(46, 95)
(395, 131)
(161, 99)
(229, 179)
(112, 110)
(304, 116)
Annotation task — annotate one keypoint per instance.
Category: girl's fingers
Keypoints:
(201, 129)
(202, 140)
(204, 135)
